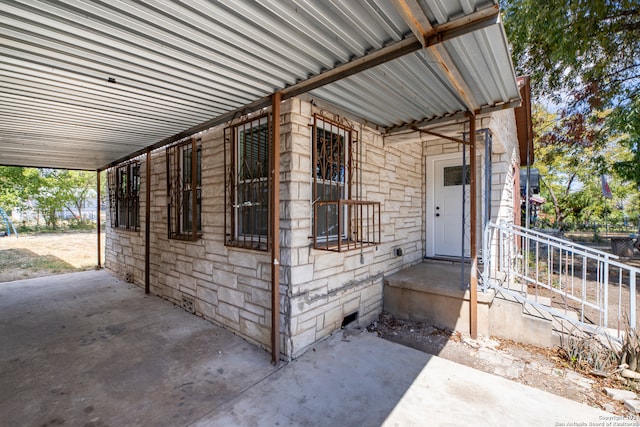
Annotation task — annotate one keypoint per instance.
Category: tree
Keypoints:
(585, 48)
(571, 172)
(11, 187)
(75, 189)
(52, 190)
(625, 124)
(584, 56)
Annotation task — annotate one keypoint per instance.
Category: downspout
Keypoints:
(473, 279)
(98, 227)
(147, 223)
(463, 285)
(275, 228)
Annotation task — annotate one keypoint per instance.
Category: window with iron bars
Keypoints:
(339, 221)
(124, 201)
(184, 191)
(247, 183)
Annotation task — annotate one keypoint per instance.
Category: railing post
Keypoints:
(632, 299)
(605, 308)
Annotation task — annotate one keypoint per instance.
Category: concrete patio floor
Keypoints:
(88, 349)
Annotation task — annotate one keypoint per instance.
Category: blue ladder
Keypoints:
(8, 223)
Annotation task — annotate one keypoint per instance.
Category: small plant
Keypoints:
(588, 353)
(630, 347)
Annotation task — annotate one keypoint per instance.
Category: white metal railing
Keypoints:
(586, 287)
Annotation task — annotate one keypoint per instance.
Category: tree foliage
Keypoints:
(50, 191)
(585, 56)
(589, 48)
(571, 173)
(625, 125)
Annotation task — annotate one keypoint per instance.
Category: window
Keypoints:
(184, 192)
(331, 180)
(340, 222)
(248, 183)
(452, 175)
(124, 190)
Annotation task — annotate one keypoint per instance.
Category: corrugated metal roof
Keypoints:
(84, 83)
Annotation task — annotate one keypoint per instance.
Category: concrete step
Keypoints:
(532, 310)
(508, 321)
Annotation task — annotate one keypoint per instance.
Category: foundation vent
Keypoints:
(188, 305)
(129, 277)
(349, 319)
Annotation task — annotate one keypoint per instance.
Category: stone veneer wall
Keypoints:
(322, 288)
(231, 286)
(506, 157)
(228, 286)
(318, 289)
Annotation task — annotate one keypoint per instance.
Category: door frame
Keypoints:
(429, 215)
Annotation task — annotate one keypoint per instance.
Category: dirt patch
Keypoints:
(537, 367)
(38, 255)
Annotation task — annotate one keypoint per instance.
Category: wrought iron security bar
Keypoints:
(357, 225)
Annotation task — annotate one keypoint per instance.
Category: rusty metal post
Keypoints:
(147, 223)
(275, 228)
(473, 219)
(98, 225)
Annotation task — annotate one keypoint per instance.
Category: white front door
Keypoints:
(446, 233)
(448, 229)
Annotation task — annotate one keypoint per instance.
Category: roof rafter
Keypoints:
(417, 20)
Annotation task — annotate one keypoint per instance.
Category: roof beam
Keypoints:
(430, 38)
(456, 116)
(451, 72)
(413, 15)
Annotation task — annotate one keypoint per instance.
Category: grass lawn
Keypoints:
(35, 255)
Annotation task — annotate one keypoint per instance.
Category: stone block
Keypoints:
(618, 394)
(333, 317)
(249, 315)
(301, 341)
(203, 266)
(184, 267)
(229, 312)
(207, 296)
(303, 325)
(224, 278)
(351, 305)
(633, 406)
(255, 330)
(302, 274)
(261, 297)
(231, 296)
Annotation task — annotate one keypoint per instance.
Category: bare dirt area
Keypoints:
(44, 254)
(537, 367)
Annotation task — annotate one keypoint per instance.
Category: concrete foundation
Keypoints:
(431, 292)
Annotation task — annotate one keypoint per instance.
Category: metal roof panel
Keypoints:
(84, 83)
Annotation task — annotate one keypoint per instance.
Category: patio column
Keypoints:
(275, 227)
(473, 219)
(147, 223)
(98, 225)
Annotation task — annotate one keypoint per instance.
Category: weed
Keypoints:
(588, 353)
(630, 346)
